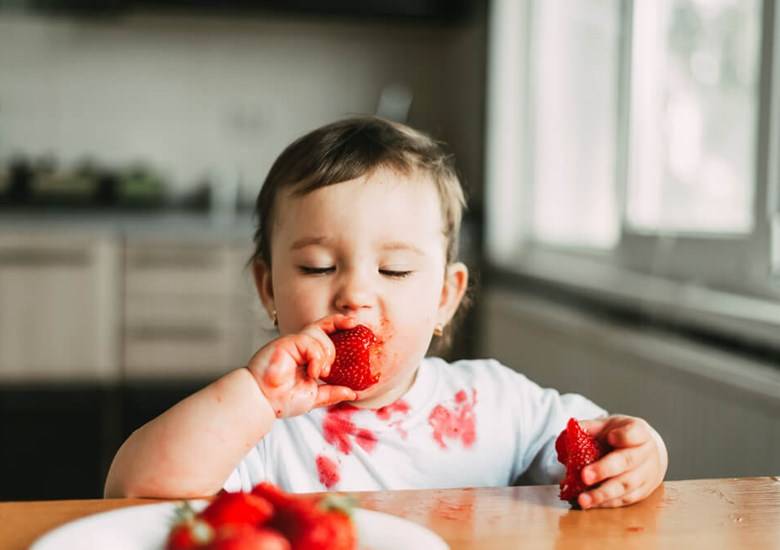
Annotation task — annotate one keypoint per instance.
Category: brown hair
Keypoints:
(355, 147)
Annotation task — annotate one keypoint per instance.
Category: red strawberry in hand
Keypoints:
(576, 449)
(352, 366)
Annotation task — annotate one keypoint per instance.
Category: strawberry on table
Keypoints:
(189, 531)
(237, 508)
(247, 537)
(352, 365)
(576, 449)
(311, 523)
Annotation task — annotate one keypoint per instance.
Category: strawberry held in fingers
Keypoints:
(352, 365)
(576, 449)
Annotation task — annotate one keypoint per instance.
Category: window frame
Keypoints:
(727, 284)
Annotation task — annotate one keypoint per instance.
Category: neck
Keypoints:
(390, 396)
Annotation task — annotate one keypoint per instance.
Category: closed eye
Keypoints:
(308, 270)
(395, 274)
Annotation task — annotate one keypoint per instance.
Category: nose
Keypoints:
(354, 292)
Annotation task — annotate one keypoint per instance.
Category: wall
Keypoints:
(213, 96)
(718, 413)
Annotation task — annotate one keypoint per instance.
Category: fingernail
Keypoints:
(590, 477)
(585, 501)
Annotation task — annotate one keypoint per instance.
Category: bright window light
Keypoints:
(574, 83)
(694, 104)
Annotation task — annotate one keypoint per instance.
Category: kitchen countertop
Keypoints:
(163, 223)
(718, 513)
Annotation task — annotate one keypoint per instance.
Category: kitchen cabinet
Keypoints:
(105, 325)
(190, 309)
(59, 306)
(105, 305)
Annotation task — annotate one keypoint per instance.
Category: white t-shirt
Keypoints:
(472, 423)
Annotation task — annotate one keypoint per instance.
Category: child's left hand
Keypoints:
(632, 470)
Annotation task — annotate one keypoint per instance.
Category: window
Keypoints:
(694, 104)
(574, 121)
(633, 153)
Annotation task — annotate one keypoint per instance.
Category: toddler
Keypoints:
(358, 224)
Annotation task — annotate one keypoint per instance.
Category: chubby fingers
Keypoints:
(629, 432)
(616, 463)
(319, 330)
(291, 352)
(622, 490)
(618, 431)
(330, 395)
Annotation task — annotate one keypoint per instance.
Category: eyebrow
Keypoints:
(400, 245)
(308, 241)
(388, 246)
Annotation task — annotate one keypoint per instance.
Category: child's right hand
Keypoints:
(287, 368)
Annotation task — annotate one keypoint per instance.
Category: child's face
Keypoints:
(372, 248)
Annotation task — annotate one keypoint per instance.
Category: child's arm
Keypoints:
(191, 449)
(630, 472)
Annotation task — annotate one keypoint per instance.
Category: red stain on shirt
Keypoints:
(328, 471)
(366, 439)
(339, 430)
(458, 422)
(386, 413)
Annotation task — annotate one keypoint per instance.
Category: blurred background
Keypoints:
(622, 161)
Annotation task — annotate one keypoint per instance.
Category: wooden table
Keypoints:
(722, 513)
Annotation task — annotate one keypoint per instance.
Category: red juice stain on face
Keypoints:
(339, 430)
(379, 356)
(328, 471)
(457, 422)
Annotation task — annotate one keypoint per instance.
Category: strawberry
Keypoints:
(189, 532)
(247, 537)
(352, 366)
(310, 523)
(576, 449)
(236, 508)
(332, 529)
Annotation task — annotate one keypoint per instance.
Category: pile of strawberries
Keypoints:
(267, 519)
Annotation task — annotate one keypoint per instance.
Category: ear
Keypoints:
(264, 285)
(456, 281)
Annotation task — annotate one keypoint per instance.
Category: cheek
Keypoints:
(419, 304)
(406, 329)
(297, 304)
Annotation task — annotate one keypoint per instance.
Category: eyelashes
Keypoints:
(306, 270)
(392, 273)
(395, 274)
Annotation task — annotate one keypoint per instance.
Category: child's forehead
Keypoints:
(381, 187)
(385, 203)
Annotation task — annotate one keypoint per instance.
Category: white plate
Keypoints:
(146, 527)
